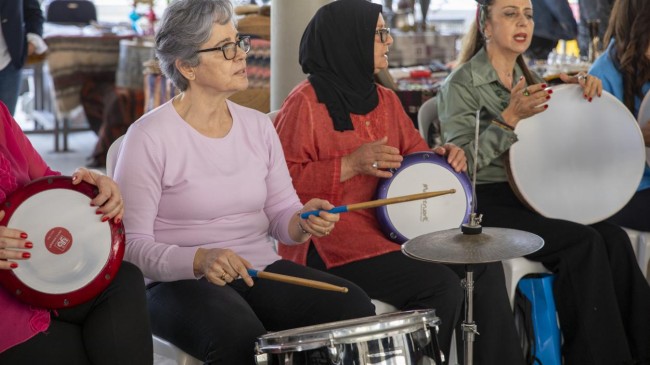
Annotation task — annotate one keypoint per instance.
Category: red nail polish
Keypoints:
(590, 99)
(29, 245)
(91, 204)
(105, 219)
(98, 212)
(549, 91)
(26, 255)
(13, 265)
(23, 235)
(585, 96)
(117, 220)
(548, 97)
(546, 106)
(544, 86)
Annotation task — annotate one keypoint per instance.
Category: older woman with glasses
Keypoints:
(207, 190)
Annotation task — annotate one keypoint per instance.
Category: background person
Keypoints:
(596, 274)
(22, 29)
(207, 191)
(625, 70)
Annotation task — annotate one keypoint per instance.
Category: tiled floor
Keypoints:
(81, 145)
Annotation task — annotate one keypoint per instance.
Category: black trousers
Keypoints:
(219, 325)
(112, 329)
(412, 284)
(603, 300)
(636, 213)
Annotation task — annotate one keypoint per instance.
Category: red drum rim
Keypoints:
(17, 287)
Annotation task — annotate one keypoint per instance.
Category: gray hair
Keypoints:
(185, 26)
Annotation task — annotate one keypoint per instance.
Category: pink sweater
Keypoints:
(19, 164)
(184, 191)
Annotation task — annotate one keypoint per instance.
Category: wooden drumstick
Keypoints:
(380, 202)
(296, 281)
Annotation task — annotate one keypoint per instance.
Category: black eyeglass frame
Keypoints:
(244, 42)
(383, 34)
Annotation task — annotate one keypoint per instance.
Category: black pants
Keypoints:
(636, 213)
(219, 325)
(411, 284)
(603, 300)
(112, 329)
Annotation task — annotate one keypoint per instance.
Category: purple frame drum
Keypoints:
(423, 172)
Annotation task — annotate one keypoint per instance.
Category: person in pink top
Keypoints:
(341, 133)
(207, 191)
(112, 328)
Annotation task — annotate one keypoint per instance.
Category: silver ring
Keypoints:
(526, 92)
(582, 77)
(375, 165)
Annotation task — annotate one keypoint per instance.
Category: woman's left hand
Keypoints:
(109, 199)
(591, 85)
(455, 156)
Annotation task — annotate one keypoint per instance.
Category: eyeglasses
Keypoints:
(229, 49)
(383, 34)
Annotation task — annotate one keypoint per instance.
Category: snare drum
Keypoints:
(75, 255)
(577, 161)
(419, 173)
(397, 338)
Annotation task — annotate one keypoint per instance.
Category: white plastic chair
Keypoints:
(111, 155)
(517, 268)
(427, 114)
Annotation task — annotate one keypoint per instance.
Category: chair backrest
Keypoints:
(71, 12)
(111, 155)
(272, 115)
(427, 117)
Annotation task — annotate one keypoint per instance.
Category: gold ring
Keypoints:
(223, 277)
(327, 232)
(526, 92)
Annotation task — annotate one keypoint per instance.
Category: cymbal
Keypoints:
(454, 247)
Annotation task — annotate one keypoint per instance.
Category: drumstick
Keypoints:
(297, 281)
(379, 202)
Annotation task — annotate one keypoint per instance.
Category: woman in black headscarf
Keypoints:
(341, 133)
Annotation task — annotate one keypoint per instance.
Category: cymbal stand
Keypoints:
(468, 326)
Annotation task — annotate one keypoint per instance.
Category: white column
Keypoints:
(288, 21)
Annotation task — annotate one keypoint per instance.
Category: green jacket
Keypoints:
(472, 86)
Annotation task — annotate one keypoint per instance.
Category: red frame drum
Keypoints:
(75, 255)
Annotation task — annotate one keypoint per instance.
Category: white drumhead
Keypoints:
(643, 118)
(71, 243)
(415, 218)
(577, 160)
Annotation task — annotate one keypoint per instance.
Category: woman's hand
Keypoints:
(371, 159)
(221, 266)
(318, 225)
(455, 156)
(525, 101)
(109, 199)
(591, 85)
(12, 243)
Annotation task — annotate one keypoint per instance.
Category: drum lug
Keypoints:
(333, 351)
(260, 357)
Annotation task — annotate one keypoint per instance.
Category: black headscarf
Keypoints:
(337, 51)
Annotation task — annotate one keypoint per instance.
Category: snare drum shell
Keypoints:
(40, 297)
(391, 338)
(423, 172)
